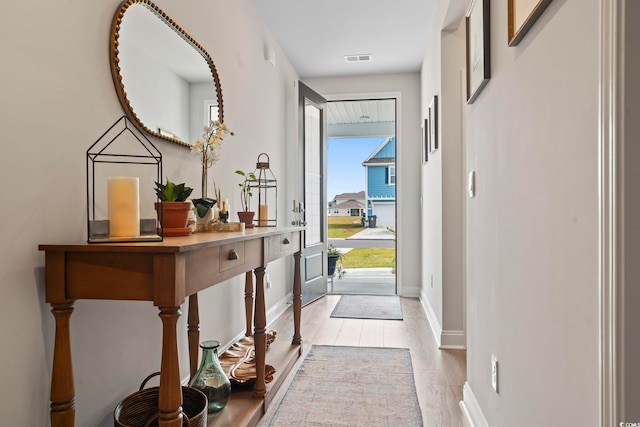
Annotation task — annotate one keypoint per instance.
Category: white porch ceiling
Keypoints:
(365, 111)
(362, 118)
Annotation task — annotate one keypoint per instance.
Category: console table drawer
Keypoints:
(283, 244)
(231, 256)
(289, 243)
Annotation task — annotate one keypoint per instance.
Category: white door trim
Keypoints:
(611, 227)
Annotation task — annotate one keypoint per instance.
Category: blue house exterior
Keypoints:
(380, 183)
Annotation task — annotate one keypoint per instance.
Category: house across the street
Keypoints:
(380, 179)
(347, 204)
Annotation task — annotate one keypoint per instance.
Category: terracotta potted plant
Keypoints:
(246, 215)
(173, 209)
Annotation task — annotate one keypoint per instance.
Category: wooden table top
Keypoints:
(191, 242)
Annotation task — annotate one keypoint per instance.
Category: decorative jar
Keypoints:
(211, 379)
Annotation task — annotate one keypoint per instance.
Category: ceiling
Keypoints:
(316, 35)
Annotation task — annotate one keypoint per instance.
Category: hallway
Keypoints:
(439, 374)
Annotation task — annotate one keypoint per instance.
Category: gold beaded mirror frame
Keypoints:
(166, 81)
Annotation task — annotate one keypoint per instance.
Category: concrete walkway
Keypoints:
(371, 281)
(378, 233)
(368, 238)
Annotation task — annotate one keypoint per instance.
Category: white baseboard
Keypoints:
(453, 340)
(446, 340)
(465, 414)
(471, 407)
(434, 323)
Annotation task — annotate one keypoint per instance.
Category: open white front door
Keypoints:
(313, 125)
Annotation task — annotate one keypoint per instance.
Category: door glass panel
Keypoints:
(313, 174)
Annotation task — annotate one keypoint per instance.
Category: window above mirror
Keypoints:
(166, 81)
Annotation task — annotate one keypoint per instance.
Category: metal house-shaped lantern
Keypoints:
(267, 188)
(122, 166)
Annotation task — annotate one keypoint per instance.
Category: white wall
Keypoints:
(531, 230)
(58, 99)
(443, 183)
(408, 162)
(431, 178)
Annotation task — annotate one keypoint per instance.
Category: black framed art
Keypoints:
(425, 141)
(478, 52)
(433, 124)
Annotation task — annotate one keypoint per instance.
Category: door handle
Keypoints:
(285, 241)
(233, 255)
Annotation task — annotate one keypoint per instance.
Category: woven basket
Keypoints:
(140, 409)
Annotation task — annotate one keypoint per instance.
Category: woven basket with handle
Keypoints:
(140, 409)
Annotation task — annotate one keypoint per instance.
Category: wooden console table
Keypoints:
(166, 273)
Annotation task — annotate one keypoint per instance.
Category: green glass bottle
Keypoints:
(211, 379)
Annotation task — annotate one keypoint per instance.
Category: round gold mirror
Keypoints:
(166, 81)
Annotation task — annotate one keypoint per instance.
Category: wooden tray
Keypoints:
(239, 363)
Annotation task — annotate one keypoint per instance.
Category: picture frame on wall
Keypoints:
(478, 48)
(521, 15)
(433, 124)
(425, 141)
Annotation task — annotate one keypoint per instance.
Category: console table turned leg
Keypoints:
(62, 390)
(193, 334)
(248, 301)
(260, 339)
(297, 299)
(170, 394)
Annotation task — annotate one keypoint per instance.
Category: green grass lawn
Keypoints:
(341, 227)
(369, 258)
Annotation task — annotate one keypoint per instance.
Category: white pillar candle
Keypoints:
(123, 202)
(263, 216)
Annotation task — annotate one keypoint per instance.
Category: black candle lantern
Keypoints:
(117, 163)
(266, 186)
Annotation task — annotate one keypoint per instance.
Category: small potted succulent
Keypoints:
(246, 215)
(173, 208)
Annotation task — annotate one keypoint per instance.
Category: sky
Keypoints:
(345, 173)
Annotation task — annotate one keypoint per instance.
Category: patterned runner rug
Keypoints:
(351, 386)
(385, 307)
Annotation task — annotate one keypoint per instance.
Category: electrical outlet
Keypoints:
(494, 373)
(431, 281)
(267, 279)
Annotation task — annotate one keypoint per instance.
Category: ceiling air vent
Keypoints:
(358, 58)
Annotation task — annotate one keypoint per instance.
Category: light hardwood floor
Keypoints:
(439, 374)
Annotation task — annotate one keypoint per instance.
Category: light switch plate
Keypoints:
(494, 373)
(471, 187)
